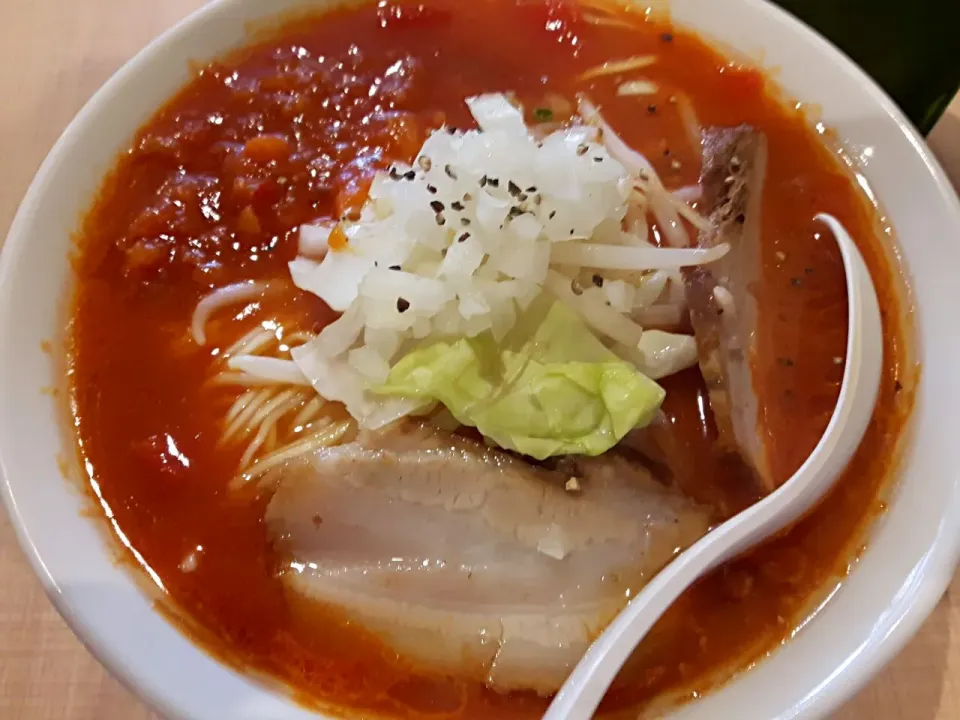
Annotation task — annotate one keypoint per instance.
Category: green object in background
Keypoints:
(911, 48)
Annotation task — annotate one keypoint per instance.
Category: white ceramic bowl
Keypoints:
(912, 552)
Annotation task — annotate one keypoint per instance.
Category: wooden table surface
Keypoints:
(53, 55)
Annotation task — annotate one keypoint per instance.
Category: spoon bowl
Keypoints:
(585, 687)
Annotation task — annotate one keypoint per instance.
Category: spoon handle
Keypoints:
(584, 689)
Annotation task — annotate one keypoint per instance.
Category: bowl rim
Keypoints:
(902, 622)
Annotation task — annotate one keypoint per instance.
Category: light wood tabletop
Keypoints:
(53, 56)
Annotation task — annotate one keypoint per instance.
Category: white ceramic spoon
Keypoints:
(581, 693)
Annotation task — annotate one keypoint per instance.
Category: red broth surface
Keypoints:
(289, 130)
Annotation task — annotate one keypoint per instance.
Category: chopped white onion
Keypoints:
(666, 353)
(369, 363)
(313, 241)
(335, 279)
(467, 237)
(495, 112)
(337, 337)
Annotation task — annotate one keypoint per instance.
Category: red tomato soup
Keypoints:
(290, 130)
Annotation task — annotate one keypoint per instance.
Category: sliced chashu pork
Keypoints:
(468, 561)
(720, 295)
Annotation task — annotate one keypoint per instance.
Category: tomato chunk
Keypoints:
(248, 222)
(267, 148)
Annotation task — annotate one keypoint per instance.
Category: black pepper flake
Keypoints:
(571, 231)
(451, 130)
(598, 159)
(464, 221)
(493, 182)
(515, 212)
(450, 172)
(808, 271)
(463, 237)
(666, 152)
(457, 205)
(552, 214)
(652, 109)
(409, 175)
(522, 197)
(740, 218)
(582, 149)
(666, 37)
(394, 174)
(440, 219)
(394, 267)
(897, 386)
(597, 280)
(542, 113)
(796, 282)
(531, 189)
(513, 188)
(437, 206)
(431, 189)
(785, 361)
(402, 305)
(483, 181)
